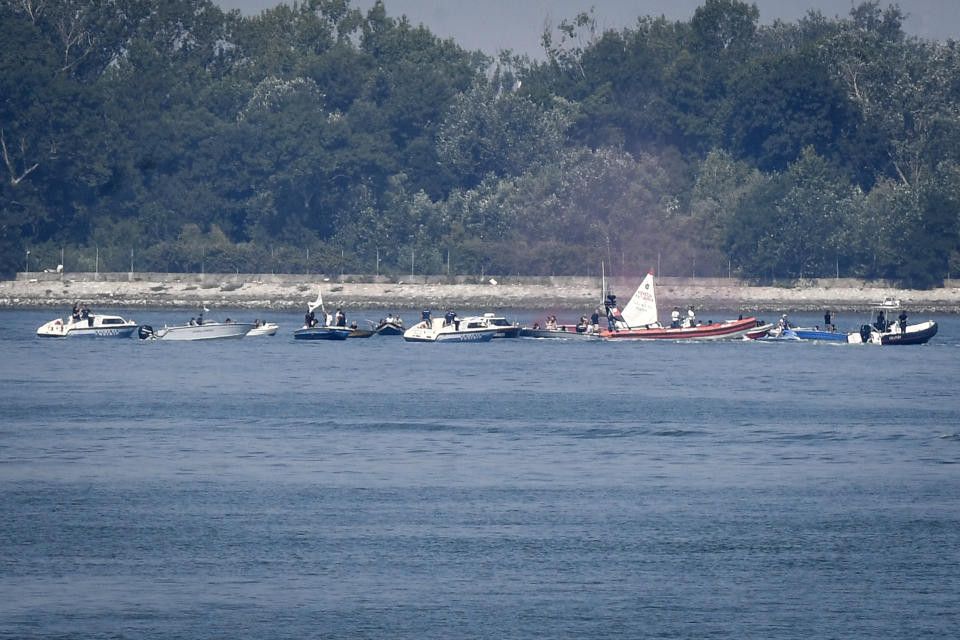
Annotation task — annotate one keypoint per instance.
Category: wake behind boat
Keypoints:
(639, 321)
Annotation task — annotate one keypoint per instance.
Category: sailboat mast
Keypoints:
(603, 283)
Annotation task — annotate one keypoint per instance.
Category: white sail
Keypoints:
(318, 303)
(641, 311)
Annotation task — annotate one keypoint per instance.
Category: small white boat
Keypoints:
(263, 329)
(450, 329)
(93, 326)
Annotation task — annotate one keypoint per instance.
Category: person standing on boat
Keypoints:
(675, 318)
(691, 317)
(595, 321)
(881, 324)
(903, 321)
(828, 321)
(341, 318)
(783, 325)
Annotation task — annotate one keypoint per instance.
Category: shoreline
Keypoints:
(555, 294)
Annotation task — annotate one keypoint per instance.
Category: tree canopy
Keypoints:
(315, 137)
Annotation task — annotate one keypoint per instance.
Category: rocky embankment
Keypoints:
(359, 292)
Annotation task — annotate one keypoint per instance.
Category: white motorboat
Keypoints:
(93, 326)
(887, 331)
(197, 329)
(450, 329)
(205, 331)
(263, 329)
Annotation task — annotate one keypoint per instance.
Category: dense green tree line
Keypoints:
(318, 138)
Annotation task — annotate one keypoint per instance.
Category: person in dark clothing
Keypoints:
(881, 324)
(828, 321)
(903, 321)
(341, 318)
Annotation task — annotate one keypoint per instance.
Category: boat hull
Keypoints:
(760, 331)
(719, 331)
(816, 334)
(508, 332)
(322, 333)
(485, 335)
(438, 331)
(206, 331)
(361, 333)
(915, 334)
(459, 336)
(390, 329)
(527, 332)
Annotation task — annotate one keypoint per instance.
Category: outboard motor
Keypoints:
(145, 332)
(865, 331)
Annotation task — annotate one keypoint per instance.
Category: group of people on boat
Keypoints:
(882, 324)
(329, 319)
(677, 320)
(584, 325)
(81, 312)
(450, 317)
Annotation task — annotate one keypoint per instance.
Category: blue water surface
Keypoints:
(270, 488)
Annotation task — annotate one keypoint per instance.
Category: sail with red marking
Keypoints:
(641, 311)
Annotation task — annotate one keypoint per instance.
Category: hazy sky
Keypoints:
(490, 25)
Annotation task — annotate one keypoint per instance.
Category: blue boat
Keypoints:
(322, 333)
(817, 334)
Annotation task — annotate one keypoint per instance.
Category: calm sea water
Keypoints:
(267, 488)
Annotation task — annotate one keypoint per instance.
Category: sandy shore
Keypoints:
(556, 294)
